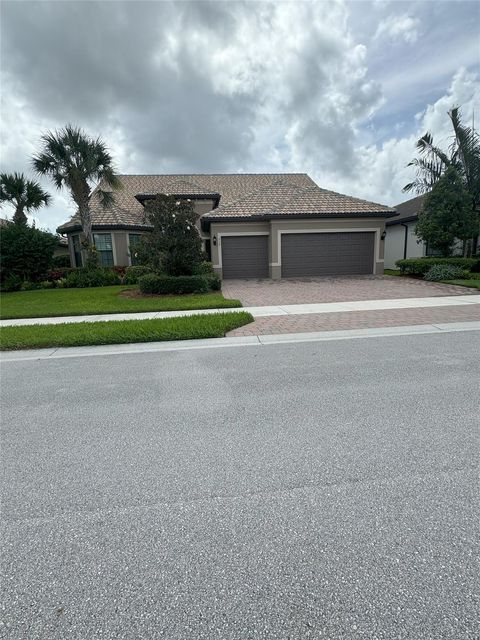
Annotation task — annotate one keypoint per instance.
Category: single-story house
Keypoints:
(401, 240)
(251, 225)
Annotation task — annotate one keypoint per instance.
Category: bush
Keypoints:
(11, 283)
(204, 269)
(25, 252)
(155, 284)
(444, 272)
(215, 282)
(47, 284)
(86, 277)
(132, 274)
(56, 274)
(61, 262)
(30, 286)
(420, 266)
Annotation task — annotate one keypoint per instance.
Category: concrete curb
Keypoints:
(243, 341)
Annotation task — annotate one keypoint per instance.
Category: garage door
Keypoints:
(245, 256)
(327, 254)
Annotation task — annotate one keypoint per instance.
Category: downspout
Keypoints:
(406, 240)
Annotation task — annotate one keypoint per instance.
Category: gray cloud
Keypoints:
(200, 86)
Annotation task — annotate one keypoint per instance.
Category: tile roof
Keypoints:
(241, 196)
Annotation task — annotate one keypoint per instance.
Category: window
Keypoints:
(133, 239)
(103, 242)
(77, 251)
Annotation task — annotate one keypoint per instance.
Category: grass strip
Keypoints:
(46, 303)
(474, 283)
(214, 325)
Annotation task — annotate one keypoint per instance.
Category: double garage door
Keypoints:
(303, 255)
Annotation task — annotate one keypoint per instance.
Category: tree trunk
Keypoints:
(85, 219)
(19, 216)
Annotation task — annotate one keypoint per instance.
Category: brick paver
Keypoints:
(358, 320)
(253, 293)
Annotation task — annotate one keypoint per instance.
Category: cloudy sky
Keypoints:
(340, 90)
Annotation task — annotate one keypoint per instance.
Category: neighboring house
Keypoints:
(401, 240)
(251, 225)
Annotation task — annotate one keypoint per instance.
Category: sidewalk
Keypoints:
(469, 302)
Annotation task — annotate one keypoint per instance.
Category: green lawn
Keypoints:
(392, 272)
(475, 283)
(214, 325)
(78, 302)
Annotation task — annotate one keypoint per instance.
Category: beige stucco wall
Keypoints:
(275, 228)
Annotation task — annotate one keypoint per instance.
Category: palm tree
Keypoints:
(73, 159)
(463, 155)
(25, 195)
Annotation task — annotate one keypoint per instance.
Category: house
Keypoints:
(401, 240)
(251, 225)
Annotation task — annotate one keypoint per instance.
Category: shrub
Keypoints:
(61, 262)
(444, 272)
(132, 274)
(420, 266)
(56, 274)
(11, 283)
(156, 284)
(87, 277)
(30, 286)
(215, 282)
(25, 252)
(204, 269)
(47, 284)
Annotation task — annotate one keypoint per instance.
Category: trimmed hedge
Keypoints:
(132, 274)
(156, 284)
(80, 278)
(420, 266)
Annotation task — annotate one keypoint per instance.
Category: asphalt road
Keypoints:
(316, 490)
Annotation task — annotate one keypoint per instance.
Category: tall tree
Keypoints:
(463, 155)
(447, 213)
(76, 161)
(174, 246)
(25, 195)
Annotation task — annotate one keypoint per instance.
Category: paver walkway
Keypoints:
(253, 293)
(337, 321)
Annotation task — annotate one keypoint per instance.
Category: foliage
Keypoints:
(96, 300)
(420, 266)
(174, 246)
(153, 283)
(89, 277)
(447, 213)
(444, 272)
(60, 262)
(132, 274)
(30, 286)
(92, 259)
(25, 195)
(25, 252)
(204, 269)
(11, 283)
(214, 282)
(214, 325)
(76, 161)
(463, 156)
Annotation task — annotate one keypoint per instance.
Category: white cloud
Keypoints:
(398, 27)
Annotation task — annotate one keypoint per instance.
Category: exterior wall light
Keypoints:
(214, 241)
(384, 235)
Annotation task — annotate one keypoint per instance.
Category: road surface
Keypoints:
(314, 490)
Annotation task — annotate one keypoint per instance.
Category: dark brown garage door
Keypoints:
(245, 256)
(327, 254)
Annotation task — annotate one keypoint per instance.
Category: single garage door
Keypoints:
(327, 254)
(245, 256)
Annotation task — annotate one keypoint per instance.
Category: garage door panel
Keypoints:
(245, 257)
(324, 254)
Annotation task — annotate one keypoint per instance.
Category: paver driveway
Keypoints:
(255, 293)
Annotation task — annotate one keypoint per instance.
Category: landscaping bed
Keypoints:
(44, 303)
(213, 325)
